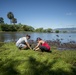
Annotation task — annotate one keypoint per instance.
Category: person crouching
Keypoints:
(42, 45)
(22, 43)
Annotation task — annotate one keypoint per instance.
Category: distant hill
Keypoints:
(66, 29)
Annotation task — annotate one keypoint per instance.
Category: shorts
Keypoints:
(43, 48)
(20, 45)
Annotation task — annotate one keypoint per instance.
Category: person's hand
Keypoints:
(33, 48)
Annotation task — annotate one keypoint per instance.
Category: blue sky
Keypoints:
(41, 13)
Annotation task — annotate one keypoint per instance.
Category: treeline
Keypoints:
(21, 27)
(48, 30)
(17, 27)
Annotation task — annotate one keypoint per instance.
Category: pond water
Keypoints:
(14, 36)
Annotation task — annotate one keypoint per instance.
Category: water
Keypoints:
(14, 36)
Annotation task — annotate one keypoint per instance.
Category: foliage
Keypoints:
(57, 31)
(28, 28)
(21, 27)
(48, 30)
(14, 20)
(29, 62)
(6, 27)
(1, 20)
(39, 30)
(10, 16)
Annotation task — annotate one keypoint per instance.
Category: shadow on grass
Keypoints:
(35, 68)
(1, 44)
(7, 68)
(45, 68)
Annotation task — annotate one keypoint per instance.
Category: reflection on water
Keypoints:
(14, 36)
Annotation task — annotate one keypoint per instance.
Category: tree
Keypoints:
(57, 31)
(10, 16)
(45, 30)
(14, 20)
(30, 28)
(39, 30)
(1, 20)
(49, 30)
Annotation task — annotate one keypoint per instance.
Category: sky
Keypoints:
(41, 13)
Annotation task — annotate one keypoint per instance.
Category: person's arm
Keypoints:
(28, 45)
(37, 45)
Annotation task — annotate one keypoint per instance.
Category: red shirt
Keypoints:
(46, 45)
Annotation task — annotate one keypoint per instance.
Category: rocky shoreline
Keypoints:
(57, 43)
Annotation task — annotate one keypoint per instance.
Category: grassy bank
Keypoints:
(28, 62)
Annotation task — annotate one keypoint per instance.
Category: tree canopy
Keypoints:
(14, 20)
(1, 20)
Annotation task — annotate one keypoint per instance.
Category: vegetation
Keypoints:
(6, 27)
(49, 30)
(1, 20)
(29, 62)
(14, 20)
(57, 31)
(21, 27)
(10, 16)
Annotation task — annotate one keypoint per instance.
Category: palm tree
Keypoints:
(10, 16)
(1, 20)
(14, 20)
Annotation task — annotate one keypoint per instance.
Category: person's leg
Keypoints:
(22, 46)
(43, 48)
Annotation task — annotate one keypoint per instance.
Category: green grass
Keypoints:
(28, 62)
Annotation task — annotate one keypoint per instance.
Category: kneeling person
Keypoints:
(22, 43)
(42, 45)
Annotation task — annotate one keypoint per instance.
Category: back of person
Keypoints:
(22, 40)
(45, 44)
